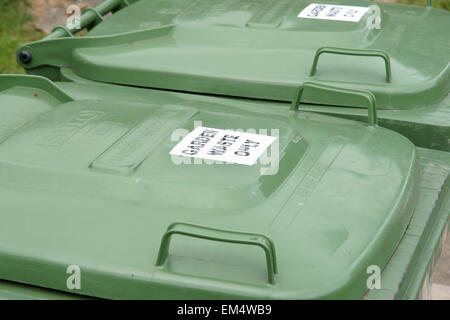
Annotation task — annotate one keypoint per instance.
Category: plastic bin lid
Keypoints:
(266, 49)
(90, 192)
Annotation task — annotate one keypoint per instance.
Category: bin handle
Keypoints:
(366, 95)
(207, 233)
(354, 52)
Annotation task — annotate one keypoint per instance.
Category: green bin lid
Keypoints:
(88, 185)
(264, 50)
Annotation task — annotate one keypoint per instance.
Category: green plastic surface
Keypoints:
(101, 191)
(261, 49)
(412, 264)
(86, 177)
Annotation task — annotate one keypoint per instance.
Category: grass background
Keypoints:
(16, 28)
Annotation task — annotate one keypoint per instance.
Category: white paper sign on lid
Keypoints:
(333, 12)
(223, 145)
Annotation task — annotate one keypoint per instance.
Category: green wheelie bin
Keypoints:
(228, 150)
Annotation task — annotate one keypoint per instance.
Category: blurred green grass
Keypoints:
(16, 28)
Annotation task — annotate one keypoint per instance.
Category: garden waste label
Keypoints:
(333, 12)
(223, 145)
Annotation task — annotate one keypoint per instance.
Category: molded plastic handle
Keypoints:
(339, 96)
(195, 231)
(354, 52)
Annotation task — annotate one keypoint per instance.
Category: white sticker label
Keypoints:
(223, 145)
(333, 12)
